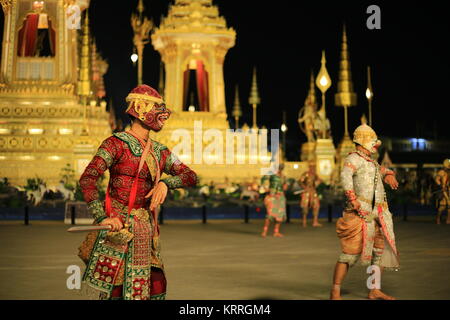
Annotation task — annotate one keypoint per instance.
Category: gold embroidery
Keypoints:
(141, 214)
(121, 237)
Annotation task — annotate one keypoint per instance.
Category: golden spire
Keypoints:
(112, 116)
(254, 99)
(311, 98)
(345, 96)
(98, 69)
(237, 112)
(84, 80)
(254, 95)
(161, 79)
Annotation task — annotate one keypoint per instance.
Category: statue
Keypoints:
(141, 28)
(73, 13)
(316, 126)
(306, 117)
(308, 114)
(322, 128)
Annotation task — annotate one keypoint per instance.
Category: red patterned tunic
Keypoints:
(120, 154)
(141, 276)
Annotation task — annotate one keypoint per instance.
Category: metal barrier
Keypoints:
(204, 217)
(246, 213)
(72, 214)
(26, 216)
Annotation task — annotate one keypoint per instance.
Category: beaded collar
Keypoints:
(364, 156)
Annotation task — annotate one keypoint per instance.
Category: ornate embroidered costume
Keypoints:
(309, 199)
(275, 201)
(443, 195)
(366, 233)
(141, 276)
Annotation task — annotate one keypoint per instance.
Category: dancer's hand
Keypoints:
(392, 181)
(158, 194)
(115, 223)
(356, 204)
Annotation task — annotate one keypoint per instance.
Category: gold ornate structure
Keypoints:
(323, 82)
(237, 112)
(319, 148)
(324, 152)
(345, 96)
(193, 31)
(46, 105)
(161, 78)
(254, 99)
(194, 37)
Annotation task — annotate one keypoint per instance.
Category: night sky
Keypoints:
(284, 40)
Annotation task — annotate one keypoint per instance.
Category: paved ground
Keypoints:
(228, 260)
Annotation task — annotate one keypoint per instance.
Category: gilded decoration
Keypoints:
(194, 30)
(41, 116)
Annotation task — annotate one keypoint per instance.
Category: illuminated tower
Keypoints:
(345, 96)
(193, 41)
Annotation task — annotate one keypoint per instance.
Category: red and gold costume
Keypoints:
(443, 197)
(275, 201)
(309, 198)
(142, 274)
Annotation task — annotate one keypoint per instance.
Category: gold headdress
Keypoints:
(366, 137)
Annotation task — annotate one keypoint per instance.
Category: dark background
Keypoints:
(284, 40)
